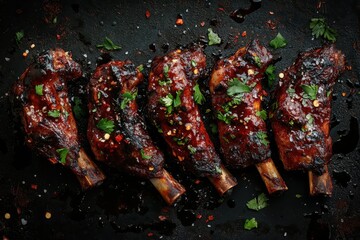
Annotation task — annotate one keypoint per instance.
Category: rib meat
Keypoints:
(175, 114)
(301, 114)
(237, 92)
(124, 142)
(42, 101)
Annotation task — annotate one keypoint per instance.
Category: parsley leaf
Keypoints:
(214, 38)
(177, 100)
(140, 68)
(258, 202)
(250, 224)
(262, 137)
(106, 125)
(193, 63)
(278, 42)
(225, 117)
(168, 102)
(63, 152)
(191, 149)
(39, 89)
(237, 87)
(108, 45)
(262, 114)
(257, 61)
(78, 108)
(127, 97)
(310, 91)
(320, 28)
(213, 128)
(19, 36)
(270, 73)
(54, 113)
(143, 155)
(198, 96)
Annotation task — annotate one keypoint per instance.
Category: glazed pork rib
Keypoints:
(41, 98)
(174, 113)
(302, 111)
(117, 132)
(236, 91)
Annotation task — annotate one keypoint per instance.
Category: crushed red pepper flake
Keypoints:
(243, 34)
(34, 186)
(150, 234)
(147, 14)
(202, 23)
(118, 138)
(179, 21)
(162, 218)
(198, 216)
(210, 218)
(58, 37)
(221, 9)
(197, 181)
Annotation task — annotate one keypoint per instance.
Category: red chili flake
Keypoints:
(34, 186)
(271, 24)
(179, 21)
(210, 218)
(150, 234)
(162, 218)
(147, 14)
(199, 216)
(197, 181)
(349, 68)
(58, 37)
(243, 34)
(118, 138)
(202, 23)
(221, 9)
(53, 160)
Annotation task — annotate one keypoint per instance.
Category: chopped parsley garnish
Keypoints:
(126, 98)
(213, 37)
(262, 114)
(310, 119)
(278, 42)
(250, 224)
(170, 102)
(39, 89)
(237, 88)
(78, 108)
(310, 91)
(257, 61)
(262, 136)
(19, 36)
(291, 122)
(143, 155)
(177, 100)
(140, 68)
(258, 202)
(166, 80)
(54, 113)
(181, 141)
(270, 73)
(320, 28)
(63, 152)
(298, 195)
(290, 91)
(198, 96)
(108, 45)
(106, 125)
(191, 149)
(328, 93)
(55, 20)
(225, 117)
(193, 63)
(166, 69)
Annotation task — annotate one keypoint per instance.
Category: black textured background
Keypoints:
(126, 208)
